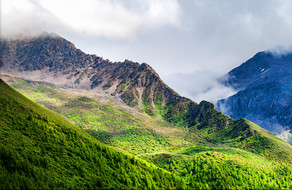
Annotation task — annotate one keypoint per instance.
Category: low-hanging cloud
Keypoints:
(221, 35)
(200, 85)
(102, 18)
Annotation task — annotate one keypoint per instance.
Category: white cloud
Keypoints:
(221, 35)
(103, 18)
(19, 17)
(200, 85)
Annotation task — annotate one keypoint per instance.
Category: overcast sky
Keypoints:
(188, 42)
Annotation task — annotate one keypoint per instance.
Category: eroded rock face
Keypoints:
(53, 59)
(265, 92)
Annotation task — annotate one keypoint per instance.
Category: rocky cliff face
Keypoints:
(53, 59)
(265, 92)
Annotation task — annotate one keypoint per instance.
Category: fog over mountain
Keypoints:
(189, 43)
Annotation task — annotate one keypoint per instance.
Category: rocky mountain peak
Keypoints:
(56, 60)
(149, 68)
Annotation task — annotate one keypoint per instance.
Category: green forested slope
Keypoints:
(211, 168)
(240, 156)
(40, 150)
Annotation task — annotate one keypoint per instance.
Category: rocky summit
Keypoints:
(53, 59)
(264, 85)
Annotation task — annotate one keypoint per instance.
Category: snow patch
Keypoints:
(264, 71)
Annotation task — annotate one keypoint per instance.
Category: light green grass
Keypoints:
(286, 146)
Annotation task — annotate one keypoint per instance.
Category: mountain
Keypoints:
(127, 106)
(41, 150)
(53, 59)
(264, 85)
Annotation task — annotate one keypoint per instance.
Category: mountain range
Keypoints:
(127, 106)
(264, 85)
(53, 59)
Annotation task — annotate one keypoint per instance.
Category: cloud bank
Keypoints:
(106, 18)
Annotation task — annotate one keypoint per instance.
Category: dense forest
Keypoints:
(217, 170)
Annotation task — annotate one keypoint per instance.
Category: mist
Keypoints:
(201, 85)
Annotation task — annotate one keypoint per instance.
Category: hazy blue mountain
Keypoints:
(264, 96)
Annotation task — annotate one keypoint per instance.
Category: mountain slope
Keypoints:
(42, 150)
(182, 151)
(115, 125)
(265, 92)
(53, 59)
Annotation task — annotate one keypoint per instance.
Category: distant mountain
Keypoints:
(264, 85)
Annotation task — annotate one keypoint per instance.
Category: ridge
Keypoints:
(57, 61)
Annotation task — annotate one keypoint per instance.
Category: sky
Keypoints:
(190, 43)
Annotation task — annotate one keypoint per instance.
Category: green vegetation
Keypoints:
(211, 153)
(137, 141)
(232, 169)
(40, 150)
(110, 124)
